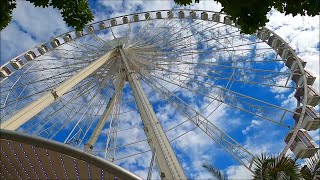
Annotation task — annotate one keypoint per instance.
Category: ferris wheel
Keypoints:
(132, 85)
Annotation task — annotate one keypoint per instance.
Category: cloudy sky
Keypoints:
(31, 26)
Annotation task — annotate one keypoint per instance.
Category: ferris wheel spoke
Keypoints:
(216, 64)
(123, 146)
(263, 78)
(74, 96)
(82, 116)
(53, 77)
(77, 112)
(229, 95)
(220, 137)
(99, 40)
(131, 155)
(56, 112)
(182, 33)
(28, 96)
(114, 122)
(216, 39)
(212, 38)
(48, 98)
(208, 27)
(140, 41)
(142, 31)
(92, 117)
(225, 48)
(179, 136)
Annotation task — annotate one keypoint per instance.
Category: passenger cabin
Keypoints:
(42, 49)
(147, 16)
(136, 18)
(311, 120)
(181, 14)
(102, 25)
(125, 20)
(91, 29)
(298, 78)
(263, 34)
(292, 63)
(67, 38)
(313, 96)
(113, 22)
(158, 15)
(284, 51)
(193, 15)
(216, 17)
(204, 16)
(16, 63)
(5, 72)
(274, 42)
(227, 21)
(30, 56)
(79, 34)
(55, 43)
(170, 14)
(303, 146)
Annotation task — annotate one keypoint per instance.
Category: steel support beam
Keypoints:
(97, 130)
(48, 98)
(111, 144)
(167, 162)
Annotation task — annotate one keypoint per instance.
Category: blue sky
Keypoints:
(31, 26)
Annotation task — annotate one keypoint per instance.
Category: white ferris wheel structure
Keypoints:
(78, 87)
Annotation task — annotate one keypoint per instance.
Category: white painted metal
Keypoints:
(38, 105)
(97, 130)
(167, 162)
(111, 144)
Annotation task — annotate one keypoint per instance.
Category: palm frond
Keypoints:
(312, 169)
(215, 172)
(275, 167)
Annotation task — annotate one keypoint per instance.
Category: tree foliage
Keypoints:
(215, 172)
(249, 14)
(252, 14)
(76, 13)
(6, 7)
(276, 167)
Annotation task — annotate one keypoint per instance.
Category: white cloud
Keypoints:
(302, 34)
(238, 172)
(254, 123)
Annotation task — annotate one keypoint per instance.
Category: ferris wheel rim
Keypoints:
(301, 68)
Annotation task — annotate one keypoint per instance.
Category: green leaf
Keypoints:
(39, 3)
(215, 172)
(185, 2)
(76, 13)
(6, 8)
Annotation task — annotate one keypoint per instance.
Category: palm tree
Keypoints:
(215, 172)
(277, 167)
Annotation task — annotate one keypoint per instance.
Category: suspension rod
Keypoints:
(97, 130)
(48, 98)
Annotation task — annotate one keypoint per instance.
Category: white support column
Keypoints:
(38, 105)
(167, 162)
(97, 130)
(111, 144)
